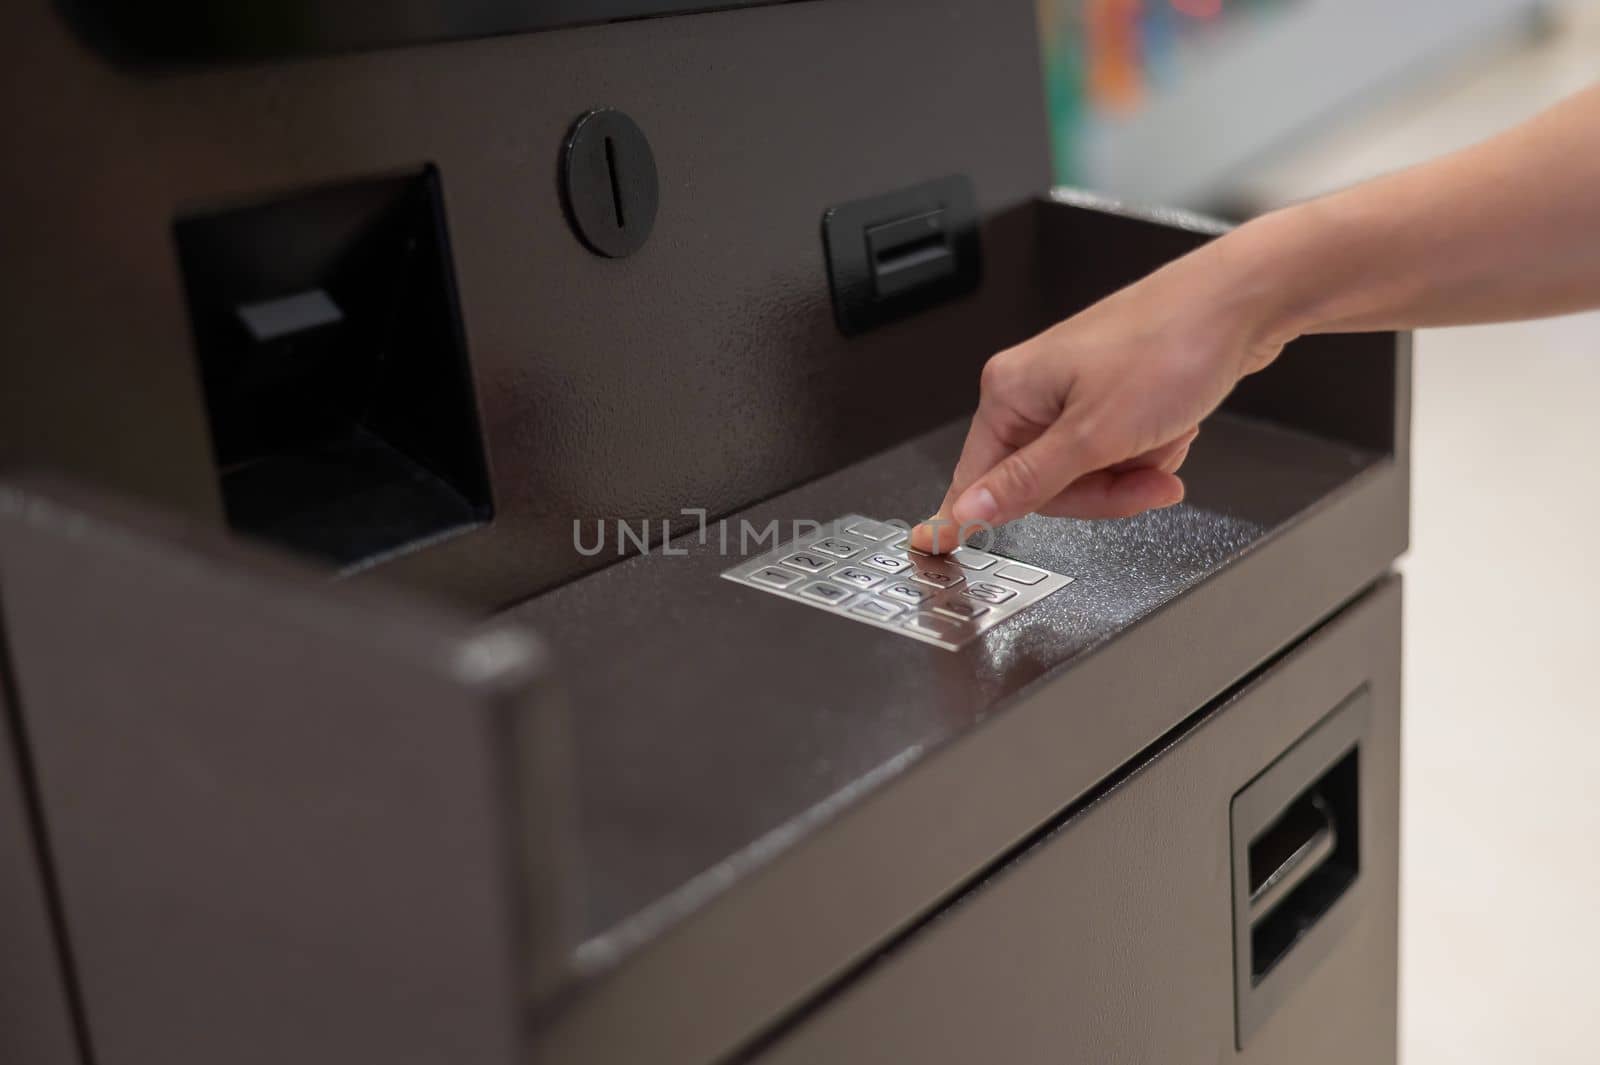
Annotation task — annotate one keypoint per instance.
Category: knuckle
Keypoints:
(1087, 437)
(1002, 373)
(995, 375)
(1017, 479)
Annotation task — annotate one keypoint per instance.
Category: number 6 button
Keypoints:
(887, 563)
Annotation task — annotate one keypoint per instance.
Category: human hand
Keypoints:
(1094, 417)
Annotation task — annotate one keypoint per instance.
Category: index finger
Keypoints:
(982, 451)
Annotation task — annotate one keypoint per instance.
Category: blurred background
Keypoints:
(1237, 106)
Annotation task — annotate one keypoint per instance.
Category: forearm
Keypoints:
(1506, 230)
(1093, 417)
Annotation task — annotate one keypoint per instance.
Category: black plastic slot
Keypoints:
(1313, 851)
(334, 367)
(914, 253)
(910, 252)
(1290, 850)
(902, 253)
(1295, 840)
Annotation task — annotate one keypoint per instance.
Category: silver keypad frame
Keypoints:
(925, 622)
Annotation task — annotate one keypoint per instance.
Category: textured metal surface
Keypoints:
(1111, 939)
(860, 570)
(704, 371)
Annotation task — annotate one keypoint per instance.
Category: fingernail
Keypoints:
(976, 507)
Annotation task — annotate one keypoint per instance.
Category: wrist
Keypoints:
(1271, 268)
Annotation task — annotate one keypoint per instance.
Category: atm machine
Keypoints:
(425, 430)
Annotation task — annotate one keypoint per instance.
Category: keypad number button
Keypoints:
(937, 577)
(964, 609)
(858, 578)
(837, 548)
(887, 563)
(823, 592)
(907, 593)
(877, 610)
(807, 562)
(992, 594)
(775, 577)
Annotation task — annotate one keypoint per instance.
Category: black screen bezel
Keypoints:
(184, 32)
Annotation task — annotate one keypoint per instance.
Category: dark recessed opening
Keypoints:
(1314, 851)
(335, 368)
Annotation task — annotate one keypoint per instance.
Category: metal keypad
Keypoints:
(850, 569)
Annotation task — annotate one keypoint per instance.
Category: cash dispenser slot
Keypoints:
(334, 367)
(1287, 854)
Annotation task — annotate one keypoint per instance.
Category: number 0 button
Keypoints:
(989, 593)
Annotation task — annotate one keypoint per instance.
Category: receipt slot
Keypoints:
(1296, 836)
